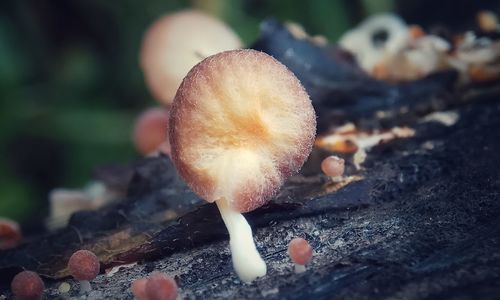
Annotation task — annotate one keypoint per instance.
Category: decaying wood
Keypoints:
(423, 221)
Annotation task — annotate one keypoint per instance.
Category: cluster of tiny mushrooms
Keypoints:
(239, 124)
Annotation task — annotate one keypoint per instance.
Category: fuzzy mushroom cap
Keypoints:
(27, 285)
(84, 265)
(300, 251)
(161, 287)
(240, 124)
(175, 43)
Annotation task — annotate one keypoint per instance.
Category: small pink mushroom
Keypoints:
(160, 286)
(300, 253)
(84, 266)
(138, 289)
(27, 285)
(333, 166)
(151, 131)
(10, 234)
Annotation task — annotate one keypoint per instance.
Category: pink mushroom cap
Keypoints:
(151, 131)
(138, 288)
(27, 285)
(333, 166)
(161, 287)
(300, 251)
(10, 234)
(84, 265)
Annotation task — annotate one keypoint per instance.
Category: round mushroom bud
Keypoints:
(161, 287)
(175, 43)
(84, 266)
(333, 166)
(240, 124)
(300, 253)
(487, 21)
(10, 234)
(27, 285)
(138, 289)
(151, 131)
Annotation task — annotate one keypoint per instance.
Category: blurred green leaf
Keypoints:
(377, 6)
(16, 200)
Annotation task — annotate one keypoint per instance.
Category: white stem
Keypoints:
(336, 179)
(299, 268)
(246, 259)
(84, 287)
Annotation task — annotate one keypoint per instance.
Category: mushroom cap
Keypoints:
(487, 20)
(84, 265)
(151, 130)
(27, 285)
(175, 43)
(240, 124)
(333, 166)
(138, 288)
(10, 234)
(374, 38)
(300, 251)
(161, 287)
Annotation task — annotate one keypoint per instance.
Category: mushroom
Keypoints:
(333, 166)
(175, 43)
(241, 123)
(376, 37)
(300, 253)
(420, 57)
(151, 131)
(487, 21)
(27, 285)
(10, 234)
(160, 286)
(84, 266)
(138, 289)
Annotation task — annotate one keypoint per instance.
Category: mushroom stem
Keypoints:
(299, 268)
(336, 179)
(85, 287)
(246, 259)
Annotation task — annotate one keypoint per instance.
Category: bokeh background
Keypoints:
(71, 87)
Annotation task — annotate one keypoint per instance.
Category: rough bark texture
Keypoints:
(422, 224)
